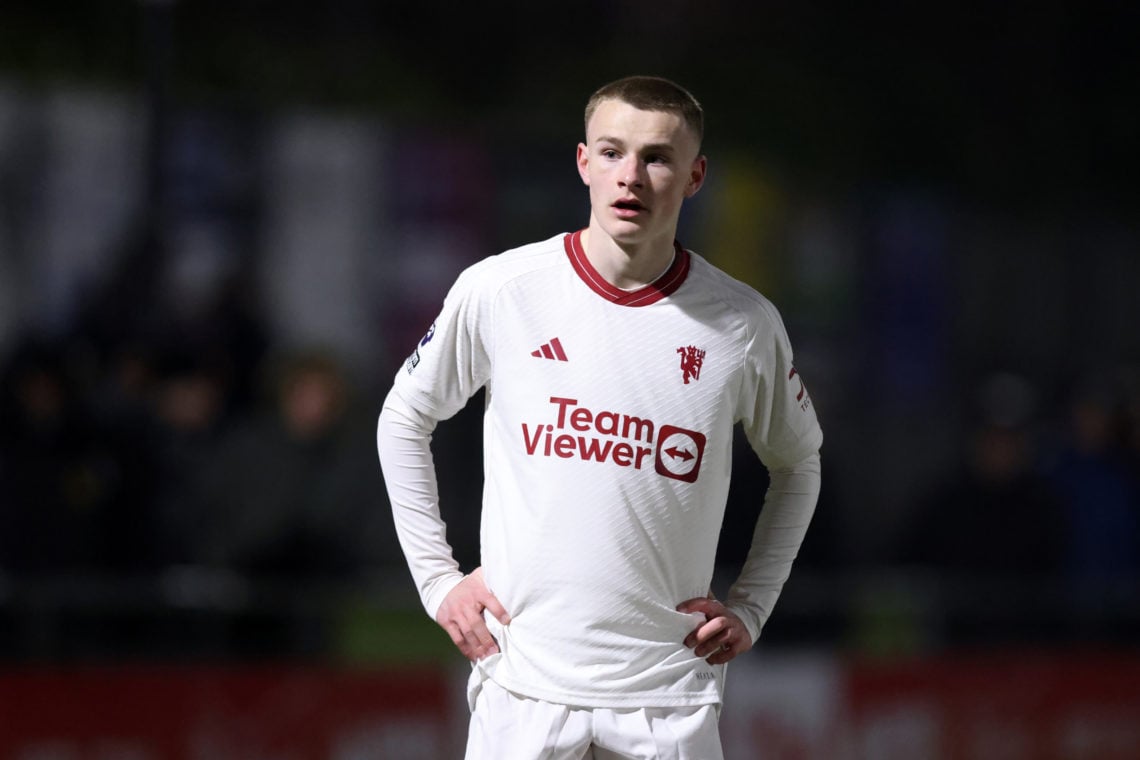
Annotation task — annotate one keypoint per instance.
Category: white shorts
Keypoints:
(506, 725)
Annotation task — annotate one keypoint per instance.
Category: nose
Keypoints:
(631, 174)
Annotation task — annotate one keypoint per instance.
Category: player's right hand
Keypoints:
(461, 615)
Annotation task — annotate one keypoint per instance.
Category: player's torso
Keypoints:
(646, 390)
(608, 438)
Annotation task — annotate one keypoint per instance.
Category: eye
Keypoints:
(609, 153)
(656, 158)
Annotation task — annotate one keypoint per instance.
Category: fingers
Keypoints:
(721, 637)
(461, 615)
(491, 602)
(709, 637)
(722, 655)
(708, 605)
(487, 599)
(722, 645)
(713, 611)
(467, 630)
(478, 642)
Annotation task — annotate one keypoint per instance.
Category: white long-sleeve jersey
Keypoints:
(607, 451)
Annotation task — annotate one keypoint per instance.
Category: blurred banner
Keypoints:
(996, 707)
(993, 706)
(1014, 706)
(224, 713)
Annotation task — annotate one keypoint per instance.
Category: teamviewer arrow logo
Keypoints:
(679, 453)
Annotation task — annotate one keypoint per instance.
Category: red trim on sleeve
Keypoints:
(664, 285)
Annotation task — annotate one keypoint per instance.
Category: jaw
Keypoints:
(626, 231)
(635, 237)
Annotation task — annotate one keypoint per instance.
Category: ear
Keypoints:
(696, 176)
(584, 163)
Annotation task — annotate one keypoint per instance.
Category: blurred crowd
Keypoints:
(1052, 496)
(203, 447)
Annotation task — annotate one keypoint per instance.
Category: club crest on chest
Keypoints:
(692, 358)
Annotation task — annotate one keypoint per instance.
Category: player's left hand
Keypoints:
(721, 637)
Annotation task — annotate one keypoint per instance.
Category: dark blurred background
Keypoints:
(223, 225)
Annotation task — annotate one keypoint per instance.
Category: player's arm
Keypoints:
(788, 507)
(779, 420)
(455, 601)
(732, 627)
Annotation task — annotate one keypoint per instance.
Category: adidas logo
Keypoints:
(551, 350)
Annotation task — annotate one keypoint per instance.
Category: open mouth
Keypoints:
(629, 205)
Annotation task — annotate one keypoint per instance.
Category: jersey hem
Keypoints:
(609, 700)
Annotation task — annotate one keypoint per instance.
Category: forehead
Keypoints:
(619, 120)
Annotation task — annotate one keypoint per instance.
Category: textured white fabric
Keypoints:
(403, 437)
(607, 443)
(788, 507)
(537, 730)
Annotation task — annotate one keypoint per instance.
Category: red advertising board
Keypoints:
(1056, 706)
(808, 706)
(251, 713)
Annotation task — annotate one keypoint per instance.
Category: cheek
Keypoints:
(676, 192)
(668, 183)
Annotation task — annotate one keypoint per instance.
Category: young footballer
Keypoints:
(616, 364)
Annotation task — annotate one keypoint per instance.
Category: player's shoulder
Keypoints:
(491, 273)
(750, 304)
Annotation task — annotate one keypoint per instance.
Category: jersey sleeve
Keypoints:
(780, 422)
(780, 530)
(403, 441)
(774, 407)
(453, 359)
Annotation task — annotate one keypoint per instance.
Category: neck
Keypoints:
(626, 266)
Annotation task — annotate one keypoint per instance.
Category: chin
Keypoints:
(626, 232)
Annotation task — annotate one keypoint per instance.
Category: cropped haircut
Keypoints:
(652, 94)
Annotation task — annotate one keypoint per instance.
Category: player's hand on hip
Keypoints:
(461, 615)
(721, 637)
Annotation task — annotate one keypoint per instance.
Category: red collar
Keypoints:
(663, 286)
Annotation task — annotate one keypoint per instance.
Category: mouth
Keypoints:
(628, 207)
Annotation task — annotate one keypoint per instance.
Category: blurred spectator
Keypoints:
(1132, 424)
(56, 482)
(1092, 474)
(997, 517)
(189, 407)
(295, 491)
(77, 463)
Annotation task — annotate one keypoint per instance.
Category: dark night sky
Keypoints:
(1028, 105)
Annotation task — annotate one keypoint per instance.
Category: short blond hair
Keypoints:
(652, 94)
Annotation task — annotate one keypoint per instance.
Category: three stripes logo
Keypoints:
(551, 350)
